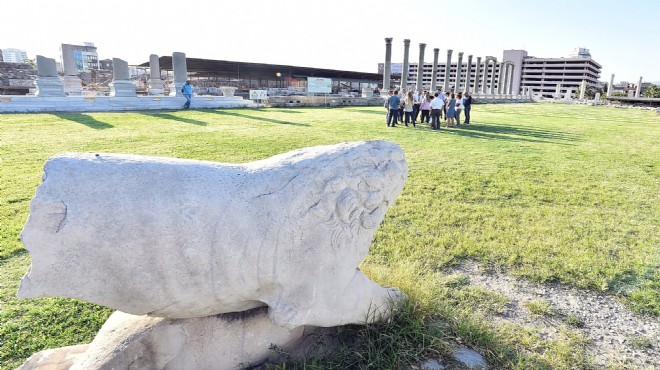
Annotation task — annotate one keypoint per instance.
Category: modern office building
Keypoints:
(84, 57)
(10, 55)
(540, 75)
(543, 75)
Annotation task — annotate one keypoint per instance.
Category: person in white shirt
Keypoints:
(458, 109)
(444, 99)
(436, 111)
(418, 98)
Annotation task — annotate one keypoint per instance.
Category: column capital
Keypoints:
(460, 53)
(422, 45)
(449, 51)
(406, 41)
(436, 50)
(388, 40)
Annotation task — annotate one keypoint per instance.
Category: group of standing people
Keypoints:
(433, 107)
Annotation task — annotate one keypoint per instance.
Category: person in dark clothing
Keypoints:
(395, 103)
(467, 105)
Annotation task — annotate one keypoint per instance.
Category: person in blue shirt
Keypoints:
(467, 103)
(394, 101)
(186, 89)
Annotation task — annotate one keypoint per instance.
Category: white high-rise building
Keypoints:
(11, 55)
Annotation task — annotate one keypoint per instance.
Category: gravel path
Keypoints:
(616, 334)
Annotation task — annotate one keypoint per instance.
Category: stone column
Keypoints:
(492, 77)
(609, 87)
(447, 70)
(485, 86)
(180, 73)
(121, 84)
(501, 78)
(48, 82)
(155, 83)
(434, 72)
(639, 88)
(510, 85)
(404, 71)
(558, 91)
(420, 67)
(476, 75)
(583, 87)
(459, 73)
(387, 68)
(468, 77)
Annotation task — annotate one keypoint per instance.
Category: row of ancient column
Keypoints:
(505, 71)
(49, 83)
(638, 90)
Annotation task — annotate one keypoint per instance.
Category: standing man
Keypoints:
(187, 91)
(442, 97)
(395, 103)
(467, 105)
(417, 102)
(436, 109)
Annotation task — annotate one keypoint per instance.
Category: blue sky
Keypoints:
(341, 34)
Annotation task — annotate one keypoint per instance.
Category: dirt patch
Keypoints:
(616, 334)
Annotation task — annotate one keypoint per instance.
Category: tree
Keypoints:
(653, 91)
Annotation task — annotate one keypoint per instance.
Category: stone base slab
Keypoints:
(122, 88)
(35, 104)
(49, 86)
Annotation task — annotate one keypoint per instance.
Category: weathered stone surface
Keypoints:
(470, 358)
(181, 238)
(46, 67)
(120, 69)
(228, 341)
(54, 359)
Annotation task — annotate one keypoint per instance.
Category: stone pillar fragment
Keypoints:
(434, 72)
(387, 68)
(180, 73)
(404, 70)
(583, 87)
(448, 70)
(639, 88)
(558, 91)
(155, 83)
(610, 86)
(459, 72)
(48, 82)
(420, 67)
(121, 84)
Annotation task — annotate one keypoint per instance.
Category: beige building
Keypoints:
(541, 75)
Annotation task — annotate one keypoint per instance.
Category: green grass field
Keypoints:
(555, 193)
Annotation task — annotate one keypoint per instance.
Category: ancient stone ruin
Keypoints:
(209, 264)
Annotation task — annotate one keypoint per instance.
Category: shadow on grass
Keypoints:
(84, 119)
(505, 133)
(16, 253)
(263, 119)
(577, 116)
(171, 117)
(383, 112)
(293, 111)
